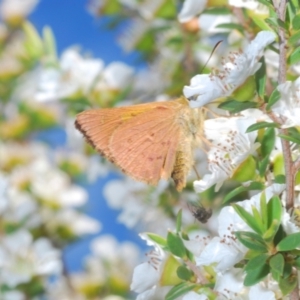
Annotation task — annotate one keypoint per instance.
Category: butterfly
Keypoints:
(149, 141)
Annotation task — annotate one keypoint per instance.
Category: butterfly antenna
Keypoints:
(211, 54)
(197, 174)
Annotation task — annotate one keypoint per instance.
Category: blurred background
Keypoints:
(75, 27)
(70, 221)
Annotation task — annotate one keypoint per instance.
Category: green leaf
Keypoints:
(294, 39)
(49, 43)
(236, 106)
(277, 263)
(294, 58)
(168, 274)
(274, 210)
(271, 232)
(256, 275)
(268, 142)
(179, 221)
(295, 3)
(287, 285)
(184, 273)
(252, 186)
(264, 210)
(217, 11)
(275, 96)
(262, 166)
(157, 239)
(267, 3)
(248, 218)
(293, 132)
(176, 245)
(289, 138)
(296, 22)
(276, 23)
(33, 43)
(256, 262)
(260, 22)
(252, 240)
(297, 262)
(280, 235)
(167, 10)
(231, 26)
(287, 271)
(276, 276)
(290, 242)
(280, 179)
(179, 290)
(261, 125)
(258, 218)
(260, 79)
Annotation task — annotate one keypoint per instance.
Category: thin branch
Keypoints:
(295, 293)
(290, 169)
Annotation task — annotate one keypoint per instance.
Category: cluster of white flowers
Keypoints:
(41, 201)
(36, 198)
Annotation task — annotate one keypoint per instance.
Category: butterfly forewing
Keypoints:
(98, 125)
(147, 141)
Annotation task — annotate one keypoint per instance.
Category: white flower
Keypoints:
(197, 241)
(259, 291)
(10, 9)
(22, 258)
(79, 73)
(21, 207)
(3, 193)
(146, 276)
(208, 23)
(288, 106)
(108, 249)
(220, 83)
(289, 224)
(45, 85)
(250, 4)
(225, 250)
(135, 211)
(77, 223)
(190, 9)
(230, 284)
(116, 75)
(194, 296)
(53, 187)
(231, 146)
(12, 295)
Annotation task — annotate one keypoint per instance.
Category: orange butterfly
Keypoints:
(150, 141)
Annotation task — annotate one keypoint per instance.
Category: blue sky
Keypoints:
(73, 25)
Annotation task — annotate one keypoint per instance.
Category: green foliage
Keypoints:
(179, 290)
(234, 106)
(290, 242)
(275, 96)
(184, 273)
(261, 125)
(179, 221)
(175, 245)
(252, 186)
(260, 79)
